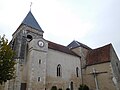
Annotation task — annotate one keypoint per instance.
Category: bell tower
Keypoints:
(30, 52)
(27, 31)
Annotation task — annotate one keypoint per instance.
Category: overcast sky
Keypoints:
(91, 22)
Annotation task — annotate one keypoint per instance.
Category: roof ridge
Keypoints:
(75, 44)
(57, 43)
(84, 45)
(60, 48)
(103, 46)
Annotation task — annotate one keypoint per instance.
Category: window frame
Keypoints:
(59, 70)
(39, 79)
(77, 71)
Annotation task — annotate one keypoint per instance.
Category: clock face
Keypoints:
(41, 43)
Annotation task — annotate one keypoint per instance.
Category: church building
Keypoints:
(43, 64)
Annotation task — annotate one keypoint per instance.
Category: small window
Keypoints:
(40, 61)
(29, 38)
(39, 79)
(77, 71)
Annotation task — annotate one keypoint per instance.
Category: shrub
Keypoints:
(67, 89)
(54, 88)
(83, 87)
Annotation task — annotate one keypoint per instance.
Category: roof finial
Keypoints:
(30, 5)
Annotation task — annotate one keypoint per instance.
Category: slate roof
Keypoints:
(31, 22)
(60, 48)
(75, 44)
(99, 55)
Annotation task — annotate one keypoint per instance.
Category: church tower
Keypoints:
(31, 50)
(28, 30)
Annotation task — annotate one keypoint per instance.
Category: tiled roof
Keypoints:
(60, 48)
(31, 21)
(75, 44)
(99, 55)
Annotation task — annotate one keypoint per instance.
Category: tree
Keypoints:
(7, 63)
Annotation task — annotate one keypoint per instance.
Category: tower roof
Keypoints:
(31, 22)
(75, 44)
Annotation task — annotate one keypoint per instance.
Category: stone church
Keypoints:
(43, 64)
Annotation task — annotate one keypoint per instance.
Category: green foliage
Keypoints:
(83, 87)
(54, 88)
(7, 63)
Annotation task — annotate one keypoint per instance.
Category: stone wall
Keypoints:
(68, 64)
(104, 76)
(82, 52)
(115, 68)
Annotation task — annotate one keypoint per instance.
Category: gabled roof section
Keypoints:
(99, 55)
(75, 44)
(60, 48)
(31, 22)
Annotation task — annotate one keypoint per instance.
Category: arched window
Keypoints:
(59, 70)
(77, 71)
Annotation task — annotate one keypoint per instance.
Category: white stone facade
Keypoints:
(39, 72)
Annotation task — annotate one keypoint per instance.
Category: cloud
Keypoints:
(94, 23)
